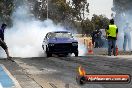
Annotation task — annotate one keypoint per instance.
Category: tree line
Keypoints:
(72, 14)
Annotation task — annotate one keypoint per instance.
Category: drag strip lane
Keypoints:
(60, 71)
(65, 72)
(104, 64)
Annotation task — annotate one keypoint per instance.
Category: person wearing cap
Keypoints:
(2, 42)
(111, 33)
(127, 37)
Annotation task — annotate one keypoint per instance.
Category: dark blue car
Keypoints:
(60, 42)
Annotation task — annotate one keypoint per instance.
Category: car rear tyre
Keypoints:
(76, 54)
(49, 54)
(43, 47)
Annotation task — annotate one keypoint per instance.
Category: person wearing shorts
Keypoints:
(2, 43)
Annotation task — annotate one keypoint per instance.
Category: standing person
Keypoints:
(111, 33)
(2, 43)
(96, 39)
(99, 41)
(127, 37)
(93, 37)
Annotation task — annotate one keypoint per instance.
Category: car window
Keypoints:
(48, 36)
(60, 35)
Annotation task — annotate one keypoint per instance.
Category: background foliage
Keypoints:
(72, 14)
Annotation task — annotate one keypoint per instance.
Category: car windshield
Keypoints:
(60, 35)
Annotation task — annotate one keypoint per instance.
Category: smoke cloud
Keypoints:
(122, 18)
(123, 11)
(25, 38)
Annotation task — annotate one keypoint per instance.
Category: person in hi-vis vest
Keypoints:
(111, 33)
(127, 37)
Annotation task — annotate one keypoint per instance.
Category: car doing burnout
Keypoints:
(60, 42)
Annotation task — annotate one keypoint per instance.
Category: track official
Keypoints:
(111, 33)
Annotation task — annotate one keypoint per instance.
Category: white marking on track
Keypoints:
(17, 85)
(48, 70)
(1, 86)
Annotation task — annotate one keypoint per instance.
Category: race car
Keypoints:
(60, 42)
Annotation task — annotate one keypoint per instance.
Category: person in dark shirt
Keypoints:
(93, 37)
(96, 39)
(2, 43)
(99, 41)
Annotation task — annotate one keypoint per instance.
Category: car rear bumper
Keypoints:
(62, 48)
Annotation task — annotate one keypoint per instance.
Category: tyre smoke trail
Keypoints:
(25, 38)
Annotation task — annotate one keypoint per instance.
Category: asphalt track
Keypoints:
(61, 72)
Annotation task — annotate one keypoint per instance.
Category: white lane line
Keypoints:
(1, 86)
(17, 85)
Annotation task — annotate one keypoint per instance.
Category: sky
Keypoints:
(100, 7)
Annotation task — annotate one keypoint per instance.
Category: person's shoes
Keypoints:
(115, 55)
(10, 58)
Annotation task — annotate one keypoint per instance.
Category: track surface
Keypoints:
(60, 72)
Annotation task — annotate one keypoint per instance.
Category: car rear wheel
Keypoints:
(43, 47)
(49, 54)
(76, 54)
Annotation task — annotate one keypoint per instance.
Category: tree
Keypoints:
(87, 26)
(120, 6)
(6, 9)
(100, 22)
(123, 11)
(80, 8)
(62, 10)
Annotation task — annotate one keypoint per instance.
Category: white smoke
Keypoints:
(121, 21)
(25, 38)
(82, 49)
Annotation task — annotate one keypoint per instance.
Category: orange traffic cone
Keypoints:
(90, 51)
(116, 50)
